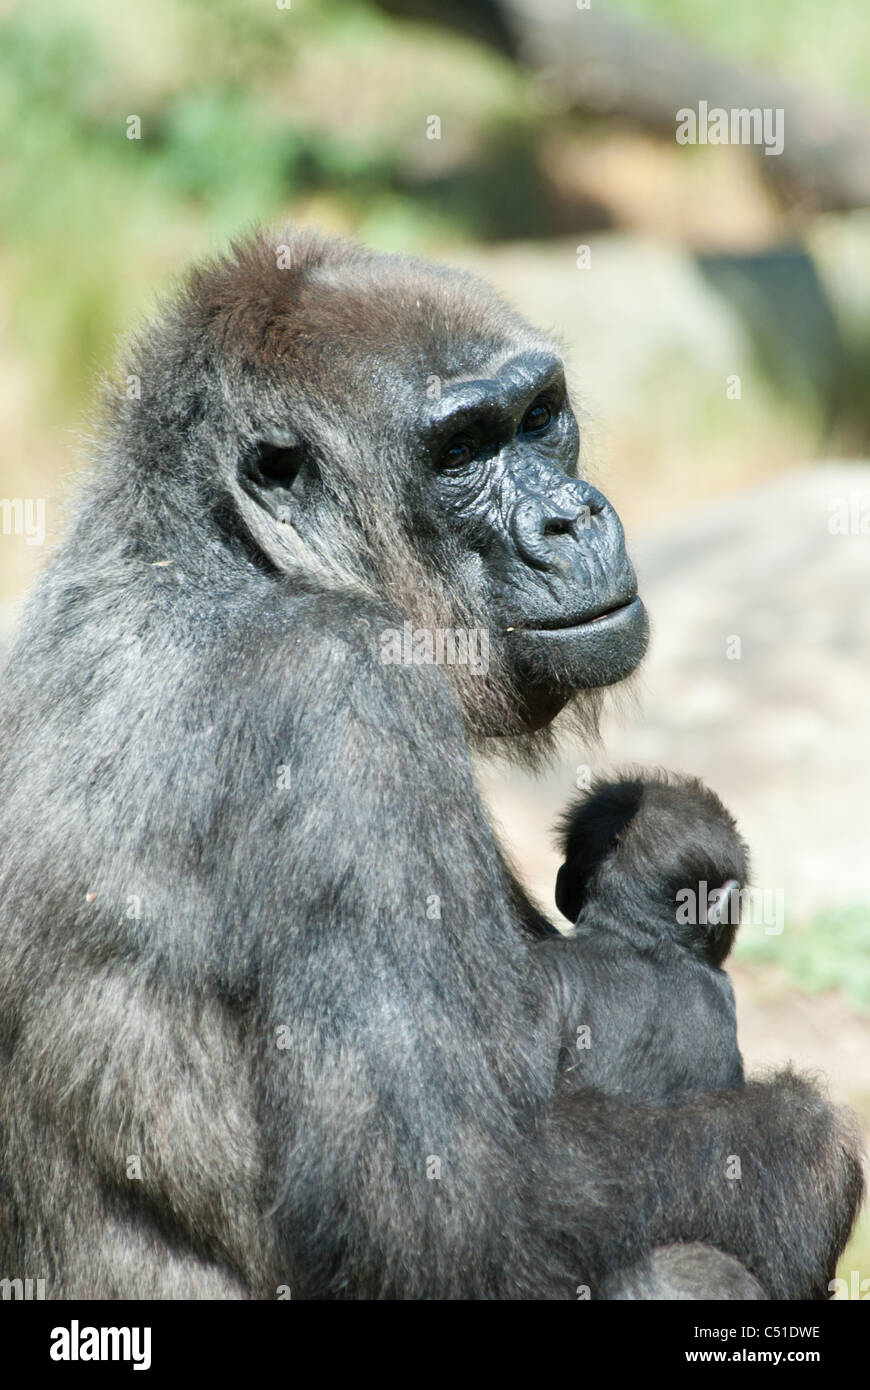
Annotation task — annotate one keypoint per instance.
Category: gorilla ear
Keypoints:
(723, 904)
(567, 896)
(270, 471)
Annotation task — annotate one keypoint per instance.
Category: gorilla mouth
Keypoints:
(564, 624)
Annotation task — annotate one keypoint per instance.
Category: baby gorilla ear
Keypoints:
(568, 894)
(270, 472)
(723, 919)
(589, 832)
(723, 904)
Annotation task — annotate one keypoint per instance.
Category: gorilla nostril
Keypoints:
(559, 526)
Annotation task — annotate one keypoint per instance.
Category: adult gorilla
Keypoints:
(272, 1005)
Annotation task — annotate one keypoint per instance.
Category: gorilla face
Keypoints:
(423, 434)
(547, 547)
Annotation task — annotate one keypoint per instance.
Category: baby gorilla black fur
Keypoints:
(652, 865)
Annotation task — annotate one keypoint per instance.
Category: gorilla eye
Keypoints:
(458, 454)
(537, 418)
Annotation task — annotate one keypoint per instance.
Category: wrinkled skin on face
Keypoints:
(559, 585)
(468, 434)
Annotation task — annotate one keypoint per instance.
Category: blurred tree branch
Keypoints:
(590, 62)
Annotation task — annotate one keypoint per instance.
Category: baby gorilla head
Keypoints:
(655, 852)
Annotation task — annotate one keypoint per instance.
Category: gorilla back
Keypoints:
(270, 1012)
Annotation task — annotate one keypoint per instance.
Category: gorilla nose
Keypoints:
(543, 525)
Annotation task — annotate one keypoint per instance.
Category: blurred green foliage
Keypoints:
(235, 128)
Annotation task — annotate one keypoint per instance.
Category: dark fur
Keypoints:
(659, 1010)
(180, 647)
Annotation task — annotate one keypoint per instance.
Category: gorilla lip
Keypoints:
(569, 624)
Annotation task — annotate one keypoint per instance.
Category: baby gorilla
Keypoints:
(651, 876)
